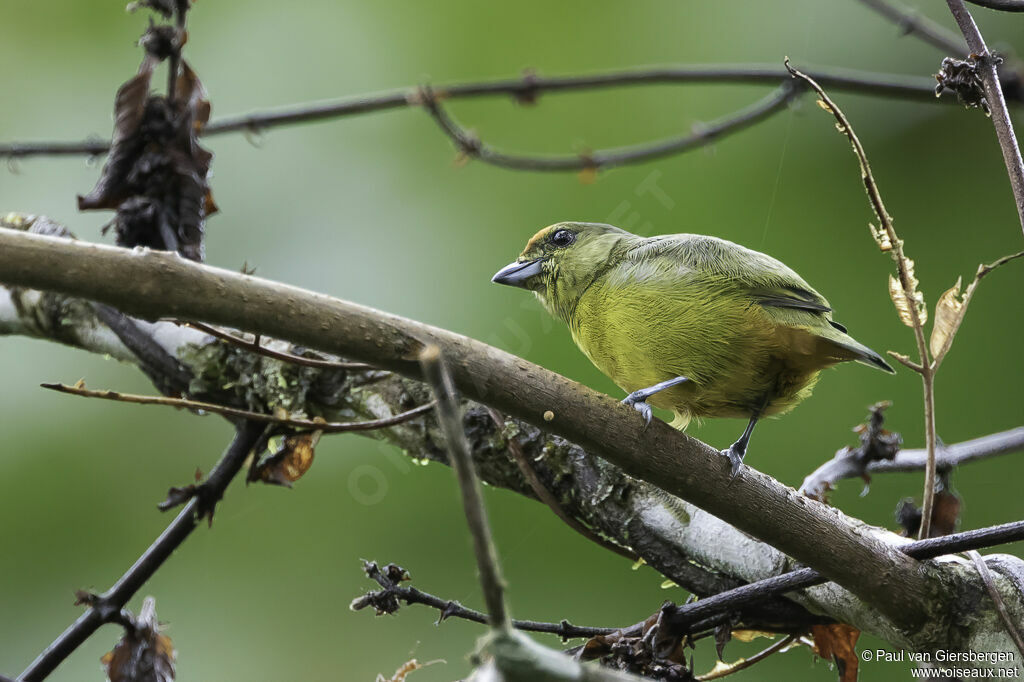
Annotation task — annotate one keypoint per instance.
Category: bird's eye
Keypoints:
(563, 238)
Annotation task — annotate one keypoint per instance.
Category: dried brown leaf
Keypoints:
(402, 672)
(949, 312)
(143, 654)
(900, 300)
(290, 462)
(838, 642)
(881, 238)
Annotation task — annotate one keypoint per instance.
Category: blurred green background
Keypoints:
(372, 209)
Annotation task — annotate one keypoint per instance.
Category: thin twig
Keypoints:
(472, 147)
(524, 89)
(990, 586)
(1001, 5)
(843, 466)
(237, 413)
(256, 347)
(718, 605)
(916, 24)
(436, 375)
(888, 240)
(545, 496)
(453, 609)
(987, 65)
(181, 8)
(744, 663)
(107, 607)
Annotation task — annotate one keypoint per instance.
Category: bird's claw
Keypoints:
(735, 459)
(636, 401)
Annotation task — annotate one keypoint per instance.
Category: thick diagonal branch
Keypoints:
(154, 285)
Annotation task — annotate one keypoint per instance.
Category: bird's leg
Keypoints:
(638, 399)
(738, 450)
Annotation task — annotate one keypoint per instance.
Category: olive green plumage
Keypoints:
(747, 331)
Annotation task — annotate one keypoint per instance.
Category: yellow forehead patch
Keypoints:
(538, 238)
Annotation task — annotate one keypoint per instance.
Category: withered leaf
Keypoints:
(143, 654)
(402, 671)
(838, 641)
(290, 462)
(129, 108)
(899, 299)
(945, 514)
(949, 312)
(881, 238)
(156, 175)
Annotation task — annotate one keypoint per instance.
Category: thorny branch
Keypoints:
(106, 608)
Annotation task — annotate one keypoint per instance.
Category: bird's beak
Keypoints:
(518, 274)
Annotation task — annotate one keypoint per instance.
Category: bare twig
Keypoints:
(916, 24)
(1001, 5)
(385, 601)
(107, 607)
(525, 89)
(909, 303)
(545, 496)
(988, 64)
(181, 8)
(744, 663)
(436, 374)
(472, 147)
(844, 466)
(990, 586)
(683, 617)
(237, 413)
(256, 347)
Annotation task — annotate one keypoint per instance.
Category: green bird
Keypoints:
(690, 323)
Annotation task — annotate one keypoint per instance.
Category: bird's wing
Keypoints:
(765, 280)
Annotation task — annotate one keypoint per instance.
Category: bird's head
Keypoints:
(561, 261)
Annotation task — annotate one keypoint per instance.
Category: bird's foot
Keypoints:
(636, 401)
(735, 456)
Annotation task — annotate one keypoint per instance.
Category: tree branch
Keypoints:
(436, 374)
(386, 601)
(236, 413)
(1001, 5)
(154, 285)
(846, 464)
(107, 607)
(472, 147)
(525, 89)
(988, 67)
(916, 24)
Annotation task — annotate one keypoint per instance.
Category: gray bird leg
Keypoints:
(738, 450)
(637, 399)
